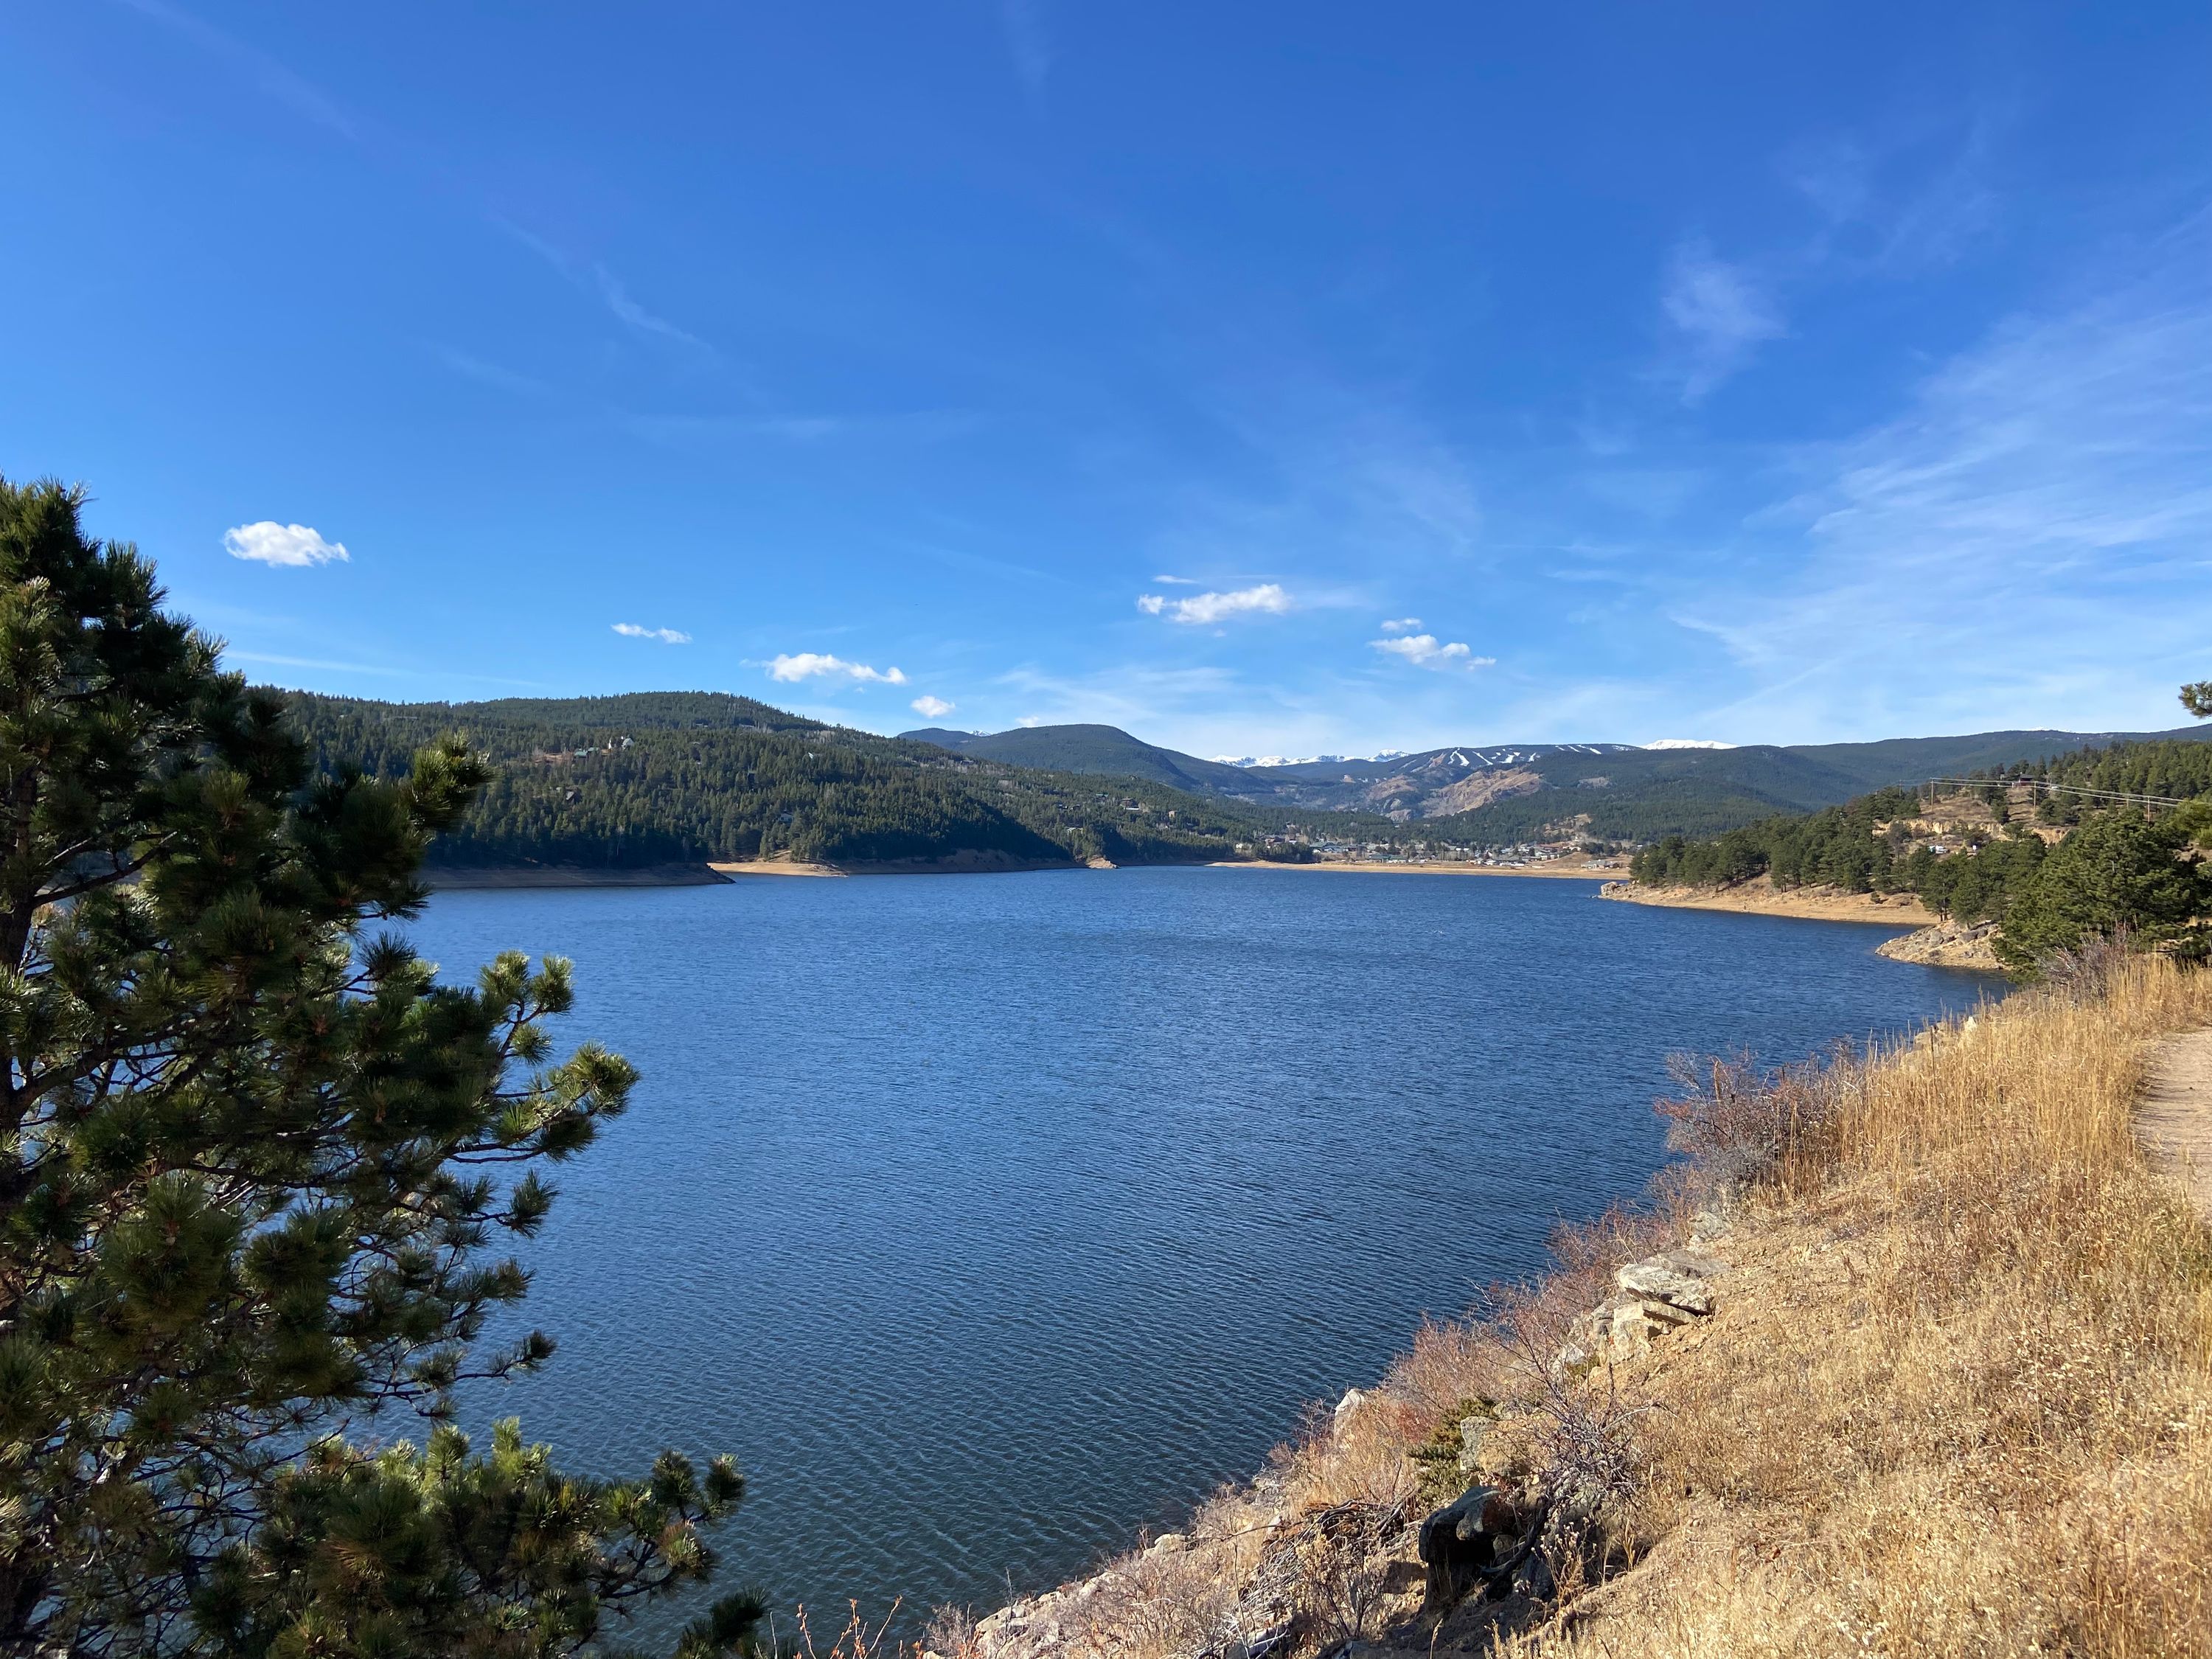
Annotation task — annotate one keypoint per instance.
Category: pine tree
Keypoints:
(253, 1158)
(2117, 871)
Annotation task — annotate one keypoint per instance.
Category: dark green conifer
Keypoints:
(251, 1160)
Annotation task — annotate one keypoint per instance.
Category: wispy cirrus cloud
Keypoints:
(1909, 196)
(1720, 315)
(271, 78)
(664, 635)
(1401, 625)
(594, 278)
(626, 310)
(792, 667)
(2030, 532)
(294, 545)
(1267, 599)
(1425, 651)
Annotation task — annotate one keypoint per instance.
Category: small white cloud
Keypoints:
(1177, 582)
(271, 543)
(810, 665)
(1721, 313)
(1030, 719)
(935, 708)
(1401, 625)
(1202, 608)
(1422, 651)
(665, 635)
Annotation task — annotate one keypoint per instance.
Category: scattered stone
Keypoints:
(1168, 1543)
(1679, 1276)
(1633, 1321)
(1709, 1227)
(1352, 1400)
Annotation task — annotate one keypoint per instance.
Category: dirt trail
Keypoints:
(2174, 1119)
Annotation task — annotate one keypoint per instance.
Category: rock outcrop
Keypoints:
(1948, 945)
(1654, 1298)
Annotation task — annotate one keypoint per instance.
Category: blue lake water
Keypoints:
(989, 1218)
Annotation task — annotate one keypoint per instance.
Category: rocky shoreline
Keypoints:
(1449, 1561)
(1759, 896)
(1934, 942)
(1948, 945)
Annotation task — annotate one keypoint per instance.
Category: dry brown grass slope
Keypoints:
(1956, 1398)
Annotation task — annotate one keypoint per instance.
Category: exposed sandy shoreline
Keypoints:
(969, 863)
(463, 878)
(1546, 872)
(1758, 898)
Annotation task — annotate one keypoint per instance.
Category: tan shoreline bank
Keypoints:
(1604, 873)
(1759, 898)
(506, 877)
(967, 863)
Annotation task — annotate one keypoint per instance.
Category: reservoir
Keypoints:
(986, 1219)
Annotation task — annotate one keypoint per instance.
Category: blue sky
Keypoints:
(1282, 377)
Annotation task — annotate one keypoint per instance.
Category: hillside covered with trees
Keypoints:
(658, 778)
(2049, 850)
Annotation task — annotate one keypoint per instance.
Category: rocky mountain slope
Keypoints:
(1503, 793)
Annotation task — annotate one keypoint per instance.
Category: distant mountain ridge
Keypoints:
(1517, 790)
(654, 779)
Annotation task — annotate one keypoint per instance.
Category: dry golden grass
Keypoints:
(1959, 1400)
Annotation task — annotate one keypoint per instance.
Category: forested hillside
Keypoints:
(2040, 847)
(686, 777)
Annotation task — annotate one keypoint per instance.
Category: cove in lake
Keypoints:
(986, 1219)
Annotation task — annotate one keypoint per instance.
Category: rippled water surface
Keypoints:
(987, 1218)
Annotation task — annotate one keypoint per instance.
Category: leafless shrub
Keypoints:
(1154, 1605)
(1331, 1569)
(2090, 969)
(855, 1641)
(1575, 1446)
(1745, 1126)
(950, 1633)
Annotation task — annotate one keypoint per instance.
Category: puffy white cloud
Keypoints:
(665, 635)
(271, 543)
(792, 668)
(935, 708)
(1267, 598)
(1401, 625)
(1422, 651)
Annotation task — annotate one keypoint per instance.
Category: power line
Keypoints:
(2045, 784)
